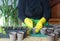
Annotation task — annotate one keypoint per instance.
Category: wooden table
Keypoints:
(29, 39)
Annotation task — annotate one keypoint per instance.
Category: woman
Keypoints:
(34, 13)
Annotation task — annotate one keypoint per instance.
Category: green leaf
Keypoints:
(1, 29)
(4, 32)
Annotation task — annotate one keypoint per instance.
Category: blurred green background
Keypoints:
(9, 13)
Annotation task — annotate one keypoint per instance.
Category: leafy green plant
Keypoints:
(10, 12)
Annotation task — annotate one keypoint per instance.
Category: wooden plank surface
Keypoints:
(29, 39)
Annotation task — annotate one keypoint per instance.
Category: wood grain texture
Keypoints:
(55, 11)
(54, 21)
(53, 2)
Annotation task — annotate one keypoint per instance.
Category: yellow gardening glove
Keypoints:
(39, 25)
(29, 22)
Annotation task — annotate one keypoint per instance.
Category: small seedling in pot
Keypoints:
(43, 31)
(51, 37)
(33, 30)
(49, 31)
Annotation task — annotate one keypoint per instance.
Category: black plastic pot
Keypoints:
(16, 29)
(8, 31)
